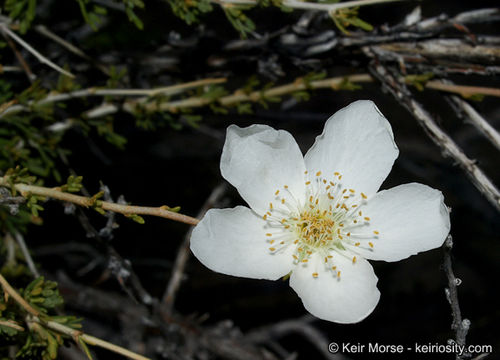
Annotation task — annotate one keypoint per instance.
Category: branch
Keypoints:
(24, 249)
(39, 56)
(183, 252)
(75, 334)
(294, 4)
(399, 90)
(460, 326)
(84, 201)
(18, 298)
(94, 91)
(462, 90)
(478, 121)
(88, 339)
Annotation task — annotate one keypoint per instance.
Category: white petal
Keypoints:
(258, 161)
(410, 218)
(233, 242)
(347, 299)
(357, 142)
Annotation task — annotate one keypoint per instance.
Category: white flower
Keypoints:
(319, 216)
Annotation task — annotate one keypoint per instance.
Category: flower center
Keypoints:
(328, 223)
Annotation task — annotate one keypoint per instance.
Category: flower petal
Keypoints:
(347, 299)
(258, 161)
(410, 218)
(357, 142)
(233, 242)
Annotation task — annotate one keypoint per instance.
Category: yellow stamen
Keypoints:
(367, 218)
(357, 244)
(315, 275)
(277, 192)
(364, 196)
(318, 173)
(371, 244)
(354, 260)
(375, 232)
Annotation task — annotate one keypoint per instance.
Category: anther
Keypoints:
(354, 260)
(371, 244)
(272, 249)
(367, 218)
(271, 206)
(277, 192)
(375, 232)
(352, 191)
(315, 275)
(318, 173)
(357, 244)
(364, 196)
(269, 234)
(308, 182)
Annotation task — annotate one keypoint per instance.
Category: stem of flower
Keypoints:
(84, 201)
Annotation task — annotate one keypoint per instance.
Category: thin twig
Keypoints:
(39, 56)
(459, 325)
(399, 90)
(43, 30)
(88, 339)
(166, 90)
(463, 90)
(478, 121)
(12, 324)
(84, 201)
(18, 298)
(75, 334)
(20, 58)
(309, 5)
(183, 252)
(24, 249)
